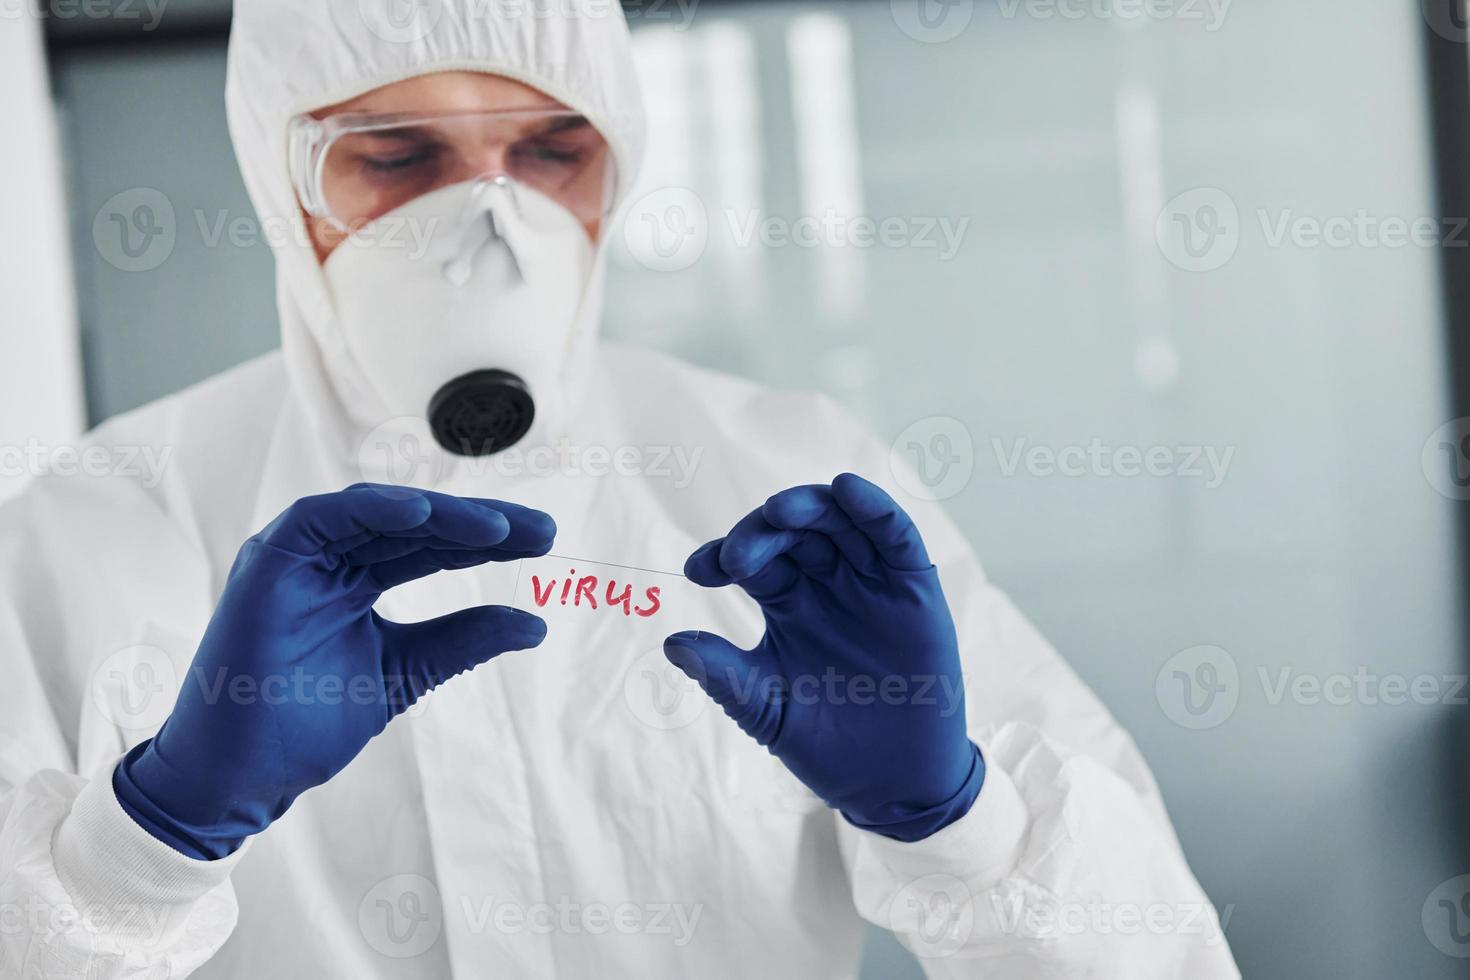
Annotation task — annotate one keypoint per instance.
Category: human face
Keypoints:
(480, 124)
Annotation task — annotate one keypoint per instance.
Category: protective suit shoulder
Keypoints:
(196, 455)
(257, 382)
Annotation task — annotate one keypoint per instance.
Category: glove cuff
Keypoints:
(919, 824)
(103, 859)
(196, 842)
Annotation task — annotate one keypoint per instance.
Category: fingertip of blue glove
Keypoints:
(532, 627)
(679, 650)
(796, 508)
(541, 528)
(703, 566)
(862, 499)
(681, 641)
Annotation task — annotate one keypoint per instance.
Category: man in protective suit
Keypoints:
(203, 768)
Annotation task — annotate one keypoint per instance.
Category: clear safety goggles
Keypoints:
(353, 167)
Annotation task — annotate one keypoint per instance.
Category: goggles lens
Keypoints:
(360, 167)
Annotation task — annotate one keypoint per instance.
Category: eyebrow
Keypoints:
(566, 123)
(405, 134)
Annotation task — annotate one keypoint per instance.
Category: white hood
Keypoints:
(288, 57)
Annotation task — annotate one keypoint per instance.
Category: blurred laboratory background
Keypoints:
(1069, 235)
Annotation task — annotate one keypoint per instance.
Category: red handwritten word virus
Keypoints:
(583, 593)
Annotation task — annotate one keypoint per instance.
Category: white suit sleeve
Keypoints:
(1067, 865)
(84, 891)
(91, 894)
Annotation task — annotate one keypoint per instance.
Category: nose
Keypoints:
(485, 160)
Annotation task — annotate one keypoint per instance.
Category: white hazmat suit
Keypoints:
(566, 812)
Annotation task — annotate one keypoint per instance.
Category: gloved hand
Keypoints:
(856, 684)
(296, 672)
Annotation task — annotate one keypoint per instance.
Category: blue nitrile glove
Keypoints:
(296, 672)
(856, 684)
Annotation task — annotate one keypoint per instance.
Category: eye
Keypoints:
(552, 154)
(549, 154)
(390, 153)
(398, 162)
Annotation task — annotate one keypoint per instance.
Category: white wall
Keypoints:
(1070, 316)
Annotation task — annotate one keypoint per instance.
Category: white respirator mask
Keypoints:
(460, 308)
